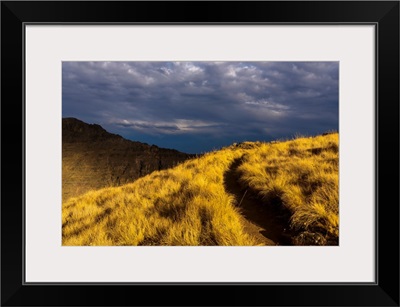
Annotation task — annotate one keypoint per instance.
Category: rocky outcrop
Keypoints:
(93, 158)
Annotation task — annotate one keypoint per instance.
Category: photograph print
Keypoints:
(200, 153)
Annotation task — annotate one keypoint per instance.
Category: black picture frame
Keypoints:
(383, 14)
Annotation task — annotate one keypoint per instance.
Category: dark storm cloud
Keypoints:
(185, 103)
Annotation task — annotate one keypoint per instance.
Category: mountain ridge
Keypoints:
(94, 158)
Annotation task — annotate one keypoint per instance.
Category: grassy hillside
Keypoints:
(197, 203)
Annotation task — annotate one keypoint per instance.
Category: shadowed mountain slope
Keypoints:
(93, 158)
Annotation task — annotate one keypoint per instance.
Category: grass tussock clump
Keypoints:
(302, 176)
(186, 205)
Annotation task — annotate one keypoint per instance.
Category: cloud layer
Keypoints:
(199, 106)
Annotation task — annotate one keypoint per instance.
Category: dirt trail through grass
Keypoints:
(267, 224)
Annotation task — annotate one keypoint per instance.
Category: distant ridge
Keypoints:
(93, 158)
(75, 130)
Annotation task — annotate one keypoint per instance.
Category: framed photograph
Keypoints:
(151, 149)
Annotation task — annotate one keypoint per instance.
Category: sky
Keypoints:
(196, 107)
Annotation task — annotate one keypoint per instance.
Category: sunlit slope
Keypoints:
(190, 205)
(302, 177)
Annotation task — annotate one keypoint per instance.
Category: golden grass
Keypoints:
(189, 204)
(302, 176)
(186, 205)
